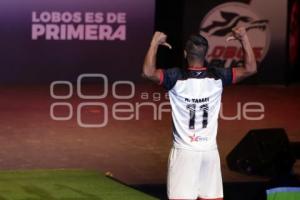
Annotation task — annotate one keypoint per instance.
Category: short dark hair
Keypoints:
(196, 48)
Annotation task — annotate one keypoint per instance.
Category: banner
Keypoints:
(266, 30)
(43, 41)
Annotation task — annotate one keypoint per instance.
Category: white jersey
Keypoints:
(195, 97)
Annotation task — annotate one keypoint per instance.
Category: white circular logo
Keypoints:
(218, 24)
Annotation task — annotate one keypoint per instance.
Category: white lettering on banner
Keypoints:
(78, 26)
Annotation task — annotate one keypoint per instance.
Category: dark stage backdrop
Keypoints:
(266, 22)
(44, 41)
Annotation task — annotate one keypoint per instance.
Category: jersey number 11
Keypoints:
(192, 109)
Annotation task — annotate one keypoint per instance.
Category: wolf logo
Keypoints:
(231, 20)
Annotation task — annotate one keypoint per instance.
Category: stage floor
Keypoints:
(134, 151)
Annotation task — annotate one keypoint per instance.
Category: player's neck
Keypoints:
(196, 66)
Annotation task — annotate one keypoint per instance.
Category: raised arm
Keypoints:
(149, 67)
(250, 66)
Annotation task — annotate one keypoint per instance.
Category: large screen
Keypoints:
(44, 41)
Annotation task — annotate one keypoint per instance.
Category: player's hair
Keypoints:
(196, 48)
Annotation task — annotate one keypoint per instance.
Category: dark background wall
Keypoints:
(175, 18)
(24, 60)
(169, 19)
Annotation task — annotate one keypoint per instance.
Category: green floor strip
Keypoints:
(64, 185)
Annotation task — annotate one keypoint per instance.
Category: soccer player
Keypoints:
(195, 91)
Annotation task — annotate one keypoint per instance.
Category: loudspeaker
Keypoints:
(264, 152)
(295, 148)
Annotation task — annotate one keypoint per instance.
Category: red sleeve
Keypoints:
(233, 75)
(161, 76)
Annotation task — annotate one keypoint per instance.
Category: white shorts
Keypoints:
(194, 174)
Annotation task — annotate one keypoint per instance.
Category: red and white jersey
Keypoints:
(195, 97)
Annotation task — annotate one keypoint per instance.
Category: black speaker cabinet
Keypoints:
(264, 152)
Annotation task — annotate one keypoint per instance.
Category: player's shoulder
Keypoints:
(174, 72)
(171, 75)
(224, 74)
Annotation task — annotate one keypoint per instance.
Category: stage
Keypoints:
(134, 151)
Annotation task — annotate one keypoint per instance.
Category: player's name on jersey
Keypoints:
(192, 100)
